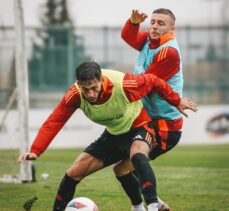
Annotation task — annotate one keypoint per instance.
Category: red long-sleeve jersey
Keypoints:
(166, 62)
(135, 88)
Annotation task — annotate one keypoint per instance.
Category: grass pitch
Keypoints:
(189, 178)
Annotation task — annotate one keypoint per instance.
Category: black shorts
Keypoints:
(164, 141)
(113, 148)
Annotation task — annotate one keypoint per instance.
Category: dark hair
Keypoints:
(166, 12)
(87, 71)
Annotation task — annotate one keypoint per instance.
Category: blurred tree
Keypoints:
(211, 54)
(56, 49)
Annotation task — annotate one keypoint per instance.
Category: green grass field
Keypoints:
(192, 178)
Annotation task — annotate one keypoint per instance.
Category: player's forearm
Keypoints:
(138, 86)
(52, 126)
(130, 34)
(165, 91)
(45, 136)
(40, 145)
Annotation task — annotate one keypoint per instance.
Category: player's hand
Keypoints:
(27, 156)
(137, 17)
(186, 103)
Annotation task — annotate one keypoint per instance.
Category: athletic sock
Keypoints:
(146, 177)
(153, 207)
(65, 193)
(131, 186)
(139, 207)
(160, 202)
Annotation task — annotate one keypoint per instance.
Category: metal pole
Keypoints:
(23, 91)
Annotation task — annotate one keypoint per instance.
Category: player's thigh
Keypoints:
(123, 167)
(165, 141)
(109, 148)
(84, 165)
(143, 139)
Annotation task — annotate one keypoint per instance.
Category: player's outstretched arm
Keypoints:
(138, 86)
(27, 156)
(137, 17)
(186, 103)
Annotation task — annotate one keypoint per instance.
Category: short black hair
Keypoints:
(166, 12)
(87, 71)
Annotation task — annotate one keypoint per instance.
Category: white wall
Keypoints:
(194, 130)
(79, 131)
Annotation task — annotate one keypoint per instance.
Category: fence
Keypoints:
(53, 54)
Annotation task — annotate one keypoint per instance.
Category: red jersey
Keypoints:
(165, 64)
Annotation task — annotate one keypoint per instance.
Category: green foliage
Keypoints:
(56, 12)
(190, 178)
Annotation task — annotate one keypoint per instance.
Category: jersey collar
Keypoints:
(162, 40)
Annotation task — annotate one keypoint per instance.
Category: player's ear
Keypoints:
(78, 83)
(173, 28)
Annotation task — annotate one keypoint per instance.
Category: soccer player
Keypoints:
(159, 55)
(112, 99)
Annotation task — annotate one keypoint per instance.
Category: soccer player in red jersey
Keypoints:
(160, 56)
(112, 99)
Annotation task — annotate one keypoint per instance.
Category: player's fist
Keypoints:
(27, 156)
(137, 17)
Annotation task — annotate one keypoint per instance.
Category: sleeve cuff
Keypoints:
(177, 103)
(133, 24)
(37, 152)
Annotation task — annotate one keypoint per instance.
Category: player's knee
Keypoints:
(117, 170)
(121, 169)
(139, 147)
(75, 173)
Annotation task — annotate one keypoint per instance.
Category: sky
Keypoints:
(115, 13)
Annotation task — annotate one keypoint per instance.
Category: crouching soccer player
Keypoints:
(112, 99)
